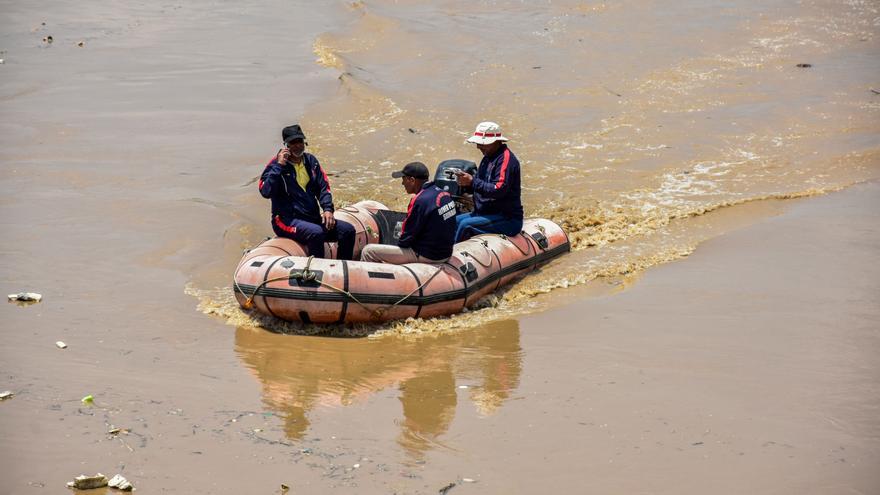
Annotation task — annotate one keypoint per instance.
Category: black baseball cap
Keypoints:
(416, 170)
(292, 132)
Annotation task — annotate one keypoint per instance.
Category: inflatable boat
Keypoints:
(277, 278)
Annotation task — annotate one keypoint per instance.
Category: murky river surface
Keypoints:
(131, 142)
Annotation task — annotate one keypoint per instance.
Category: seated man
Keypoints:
(302, 206)
(497, 205)
(429, 226)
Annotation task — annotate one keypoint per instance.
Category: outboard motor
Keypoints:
(444, 178)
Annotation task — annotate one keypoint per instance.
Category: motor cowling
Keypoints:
(444, 178)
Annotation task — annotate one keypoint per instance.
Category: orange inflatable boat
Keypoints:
(276, 278)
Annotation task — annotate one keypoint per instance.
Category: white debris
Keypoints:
(26, 297)
(120, 483)
(6, 395)
(468, 480)
(83, 482)
(61, 345)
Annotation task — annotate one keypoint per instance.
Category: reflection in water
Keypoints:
(300, 374)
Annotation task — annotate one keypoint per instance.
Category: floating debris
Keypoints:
(48, 39)
(25, 297)
(804, 66)
(83, 482)
(284, 488)
(88, 400)
(446, 488)
(61, 345)
(120, 483)
(872, 89)
(2, 61)
(6, 395)
(468, 480)
(114, 431)
(81, 44)
(615, 93)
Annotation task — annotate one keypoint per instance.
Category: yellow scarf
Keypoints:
(302, 176)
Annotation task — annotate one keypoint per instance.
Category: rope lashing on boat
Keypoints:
(380, 311)
(307, 275)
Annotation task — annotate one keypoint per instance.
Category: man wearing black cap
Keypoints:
(302, 205)
(429, 227)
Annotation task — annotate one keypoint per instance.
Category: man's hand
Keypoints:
(464, 179)
(328, 220)
(283, 156)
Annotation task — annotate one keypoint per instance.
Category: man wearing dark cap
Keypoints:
(428, 230)
(302, 205)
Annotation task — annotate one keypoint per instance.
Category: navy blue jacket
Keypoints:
(429, 226)
(497, 185)
(289, 200)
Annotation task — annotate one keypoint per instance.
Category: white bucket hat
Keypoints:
(487, 133)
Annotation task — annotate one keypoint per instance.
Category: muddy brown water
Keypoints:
(646, 129)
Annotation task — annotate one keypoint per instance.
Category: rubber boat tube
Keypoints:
(276, 278)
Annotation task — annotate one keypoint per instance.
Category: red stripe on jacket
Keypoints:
(409, 209)
(281, 225)
(503, 173)
(260, 185)
(326, 180)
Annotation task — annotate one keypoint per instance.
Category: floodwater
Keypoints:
(626, 136)
(129, 150)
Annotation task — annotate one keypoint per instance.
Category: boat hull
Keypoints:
(275, 278)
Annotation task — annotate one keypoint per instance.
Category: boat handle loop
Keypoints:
(485, 244)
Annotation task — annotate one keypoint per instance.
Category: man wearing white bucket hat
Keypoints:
(497, 205)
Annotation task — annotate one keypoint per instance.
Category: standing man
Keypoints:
(497, 205)
(302, 205)
(429, 227)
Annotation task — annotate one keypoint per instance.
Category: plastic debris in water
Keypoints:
(88, 400)
(284, 488)
(81, 44)
(83, 482)
(61, 345)
(120, 483)
(6, 395)
(26, 297)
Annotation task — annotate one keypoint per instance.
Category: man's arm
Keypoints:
(498, 184)
(270, 180)
(325, 196)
